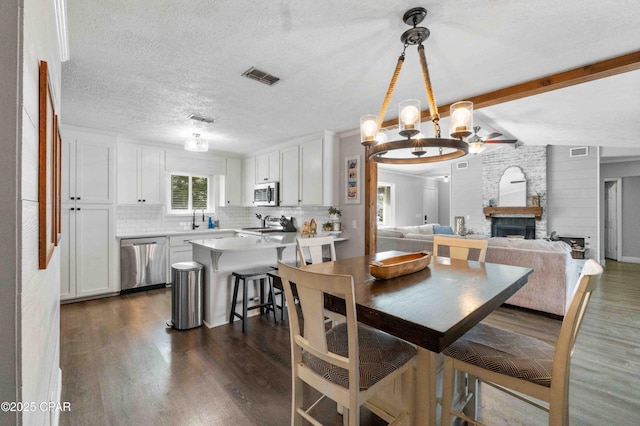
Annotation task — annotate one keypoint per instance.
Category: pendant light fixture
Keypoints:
(416, 148)
(196, 144)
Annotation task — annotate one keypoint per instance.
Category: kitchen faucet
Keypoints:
(193, 221)
(263, 222)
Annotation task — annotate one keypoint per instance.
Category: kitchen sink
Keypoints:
(258, 230)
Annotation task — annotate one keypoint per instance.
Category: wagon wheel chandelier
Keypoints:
(422, 149)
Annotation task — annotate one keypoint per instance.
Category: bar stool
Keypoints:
(253, 274)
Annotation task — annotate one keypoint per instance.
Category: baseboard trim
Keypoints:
(631, 259)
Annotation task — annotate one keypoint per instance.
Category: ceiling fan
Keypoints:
(476, 143)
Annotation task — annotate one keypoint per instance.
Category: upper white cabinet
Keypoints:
(290, 173)
(140, 174)
(307, 173)
(88, 168)
(268, 167)
(248, 179)
(233, 183)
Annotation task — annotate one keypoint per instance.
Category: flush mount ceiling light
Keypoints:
(196, 144)
(416, 148)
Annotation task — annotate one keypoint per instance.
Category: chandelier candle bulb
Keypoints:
(368, 129)
(409, 119)
(461, 119)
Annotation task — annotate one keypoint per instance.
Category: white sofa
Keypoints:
(550, 286)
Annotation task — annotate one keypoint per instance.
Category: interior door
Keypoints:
(430, 205)
(610, 220)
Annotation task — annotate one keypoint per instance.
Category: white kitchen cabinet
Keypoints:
(88, 168)
(311, 178)
(268, 167)
(232, 183)
(290, 175)
(248, 180)
(140, 174)
(307, 173)
(87, 251)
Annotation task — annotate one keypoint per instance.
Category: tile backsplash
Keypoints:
(144, 219)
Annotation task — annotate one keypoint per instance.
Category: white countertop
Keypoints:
(194, 232)
(249, 242)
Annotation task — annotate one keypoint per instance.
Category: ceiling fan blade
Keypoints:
(501, 141)
(493, 135)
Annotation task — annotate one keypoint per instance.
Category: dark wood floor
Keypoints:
(122, 366)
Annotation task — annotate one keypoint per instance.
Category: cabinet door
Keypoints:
(248, 179)
(95, 168)
(95, 238)
(233, 182)
(290, 167)
(68, 254)
(128, 184)
(151, 175)
(68, 171)
(262, 168)
(274, 167)
(311, 173)
(179, 254)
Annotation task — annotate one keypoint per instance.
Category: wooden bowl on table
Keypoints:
(399, 265)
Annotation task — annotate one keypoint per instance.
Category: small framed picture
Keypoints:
(352, 180)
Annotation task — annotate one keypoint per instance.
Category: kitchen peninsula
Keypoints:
(222, 256)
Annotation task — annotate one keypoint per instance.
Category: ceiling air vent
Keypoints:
(261, 76)
(582, 151)
(200, 118)
(461, 165)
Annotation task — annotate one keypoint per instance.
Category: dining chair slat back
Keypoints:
(460, 248)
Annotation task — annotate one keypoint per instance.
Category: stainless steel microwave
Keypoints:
(266, 194)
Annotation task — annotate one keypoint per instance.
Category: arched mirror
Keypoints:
(513, 188)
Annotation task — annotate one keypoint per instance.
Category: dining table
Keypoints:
(430, 308)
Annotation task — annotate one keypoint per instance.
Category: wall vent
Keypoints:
(461, 165)
(582, 151)
(200, 118)
(261, 76)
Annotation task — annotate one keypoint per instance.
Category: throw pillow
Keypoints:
(443, 230)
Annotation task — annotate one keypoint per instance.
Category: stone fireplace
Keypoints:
(533, 162)
(510, 226)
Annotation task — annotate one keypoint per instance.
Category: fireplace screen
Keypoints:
(518, 227)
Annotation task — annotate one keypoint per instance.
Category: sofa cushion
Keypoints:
(391, 233)
(427, 228)
(415, 229)
(420, 236)
(540, 245)
(443, 230)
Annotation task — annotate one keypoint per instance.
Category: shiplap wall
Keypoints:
(38, 348)
(466, 193)
(9, 256)
(572, 184)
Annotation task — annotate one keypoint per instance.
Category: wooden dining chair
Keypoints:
(311, 250)
(459, 248)
(349, 363)
(521, 365)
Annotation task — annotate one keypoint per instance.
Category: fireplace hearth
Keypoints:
(522, 227)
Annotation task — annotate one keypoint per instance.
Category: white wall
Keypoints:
(444, 202)
(39, 296)
(629, 171)
(349, 145)
(409, 192)
(466, 193)
(10, 27)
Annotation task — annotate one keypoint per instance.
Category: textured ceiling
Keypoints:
(139, 68)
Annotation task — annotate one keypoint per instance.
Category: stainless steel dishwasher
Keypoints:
(143, 263)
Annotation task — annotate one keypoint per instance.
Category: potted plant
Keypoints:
(335, 212)
(327, 226)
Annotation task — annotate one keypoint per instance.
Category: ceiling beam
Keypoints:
(583, 74)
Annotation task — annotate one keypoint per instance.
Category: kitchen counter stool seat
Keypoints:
(242, 277)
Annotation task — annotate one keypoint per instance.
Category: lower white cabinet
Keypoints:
(87, 251)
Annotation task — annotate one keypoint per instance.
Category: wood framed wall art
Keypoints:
(47, 175)
(353, 180)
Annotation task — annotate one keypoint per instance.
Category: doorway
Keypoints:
(430, 205)
(386, 204)
(613, 218)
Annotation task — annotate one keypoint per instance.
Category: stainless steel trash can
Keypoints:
(186, 295)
